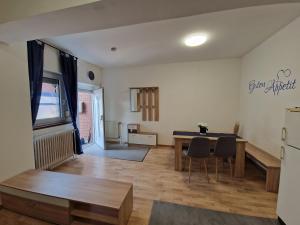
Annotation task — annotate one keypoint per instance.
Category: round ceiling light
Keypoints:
(195, 40)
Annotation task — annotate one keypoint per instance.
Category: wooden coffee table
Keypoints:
(63, 198)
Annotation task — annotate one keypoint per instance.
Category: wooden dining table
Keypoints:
(181, 137)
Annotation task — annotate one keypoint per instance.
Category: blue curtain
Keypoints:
(69, 71)
(35, 52)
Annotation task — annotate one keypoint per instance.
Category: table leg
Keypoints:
(178, 154)
(272, 182)
(240, 159)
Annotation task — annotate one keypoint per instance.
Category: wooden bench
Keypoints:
(268, 163)
(65, 199)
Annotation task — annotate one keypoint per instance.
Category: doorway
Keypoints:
(91, 117)
(98, 117)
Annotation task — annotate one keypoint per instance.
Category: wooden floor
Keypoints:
(155, 179)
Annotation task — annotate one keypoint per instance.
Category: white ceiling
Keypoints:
(11, 10)
(103, 14)
(232, 33)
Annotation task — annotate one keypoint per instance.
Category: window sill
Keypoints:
(43, 126)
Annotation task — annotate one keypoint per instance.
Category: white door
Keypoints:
(289, 188)
(98, 115)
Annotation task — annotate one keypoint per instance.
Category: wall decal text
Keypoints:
(283, 81)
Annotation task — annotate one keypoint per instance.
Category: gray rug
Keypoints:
(118, 152)
(164, 213)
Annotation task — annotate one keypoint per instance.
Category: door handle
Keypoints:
(282, 152)
(283, 134)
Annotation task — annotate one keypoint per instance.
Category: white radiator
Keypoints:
(113, 131)
(51, 150)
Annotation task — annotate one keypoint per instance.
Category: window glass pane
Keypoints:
(50, 100)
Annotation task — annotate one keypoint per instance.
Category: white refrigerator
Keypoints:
(288, 205)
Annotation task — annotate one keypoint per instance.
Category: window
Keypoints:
(53, 107)
(50, 100)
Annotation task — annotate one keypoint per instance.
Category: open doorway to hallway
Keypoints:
(91, 117)
(85, 116)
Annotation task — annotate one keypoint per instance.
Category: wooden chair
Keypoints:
(236, 128)
(225, 150)
(199, 148)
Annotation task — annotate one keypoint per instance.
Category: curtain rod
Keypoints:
(52, 46)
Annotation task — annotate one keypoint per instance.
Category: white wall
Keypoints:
(206, 91)
(16, 151)
(262, 115)
(51, 63)
(83, 69)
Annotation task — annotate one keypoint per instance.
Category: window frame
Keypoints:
(64, 109)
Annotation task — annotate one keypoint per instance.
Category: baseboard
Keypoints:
(156, 146)
(114, 142)
(170, 146)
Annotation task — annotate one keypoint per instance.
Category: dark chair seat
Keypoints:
(225, 150)
(198, 148)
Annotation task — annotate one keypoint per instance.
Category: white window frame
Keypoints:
(64, 110)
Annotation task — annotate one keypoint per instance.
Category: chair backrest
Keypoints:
(226, 147)
(236, 128)
(199, 147)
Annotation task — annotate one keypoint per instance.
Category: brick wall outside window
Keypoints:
(85, 117)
